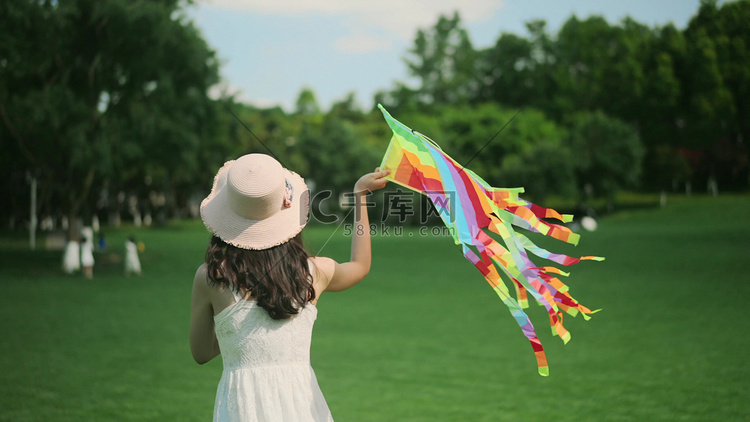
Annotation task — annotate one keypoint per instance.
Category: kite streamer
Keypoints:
(467, 206)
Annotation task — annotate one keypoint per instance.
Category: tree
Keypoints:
(102, 90)
(348, 109)
(444, 60)
(398, 100)
(307, 104)
(660, 119)
(663, 67)
(608, 154)
(597, 66)
(717, 90)
(529, 151)
(506, 71)
(335, 154)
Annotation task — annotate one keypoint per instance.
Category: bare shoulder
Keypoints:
(201, 271)
(200, 280)
(323, 268)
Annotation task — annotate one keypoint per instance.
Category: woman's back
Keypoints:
(249, 338)
(267, 374)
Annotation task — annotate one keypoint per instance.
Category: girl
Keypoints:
(87, 252)
(254, 300)
(132, 262)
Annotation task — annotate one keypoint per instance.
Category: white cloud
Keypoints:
(397, 18)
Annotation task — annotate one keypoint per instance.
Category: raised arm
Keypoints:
(347, 274)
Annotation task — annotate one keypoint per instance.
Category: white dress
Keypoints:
(267, 374)
(72, 257)
(87, 253)
(132, 262)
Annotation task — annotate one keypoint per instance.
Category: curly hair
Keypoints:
(277, 278)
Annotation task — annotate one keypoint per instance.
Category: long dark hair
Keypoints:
(278, 278)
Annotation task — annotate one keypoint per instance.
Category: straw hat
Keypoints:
(255, 203)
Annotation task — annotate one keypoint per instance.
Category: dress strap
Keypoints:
(236, 295)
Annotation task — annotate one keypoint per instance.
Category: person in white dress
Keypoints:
(87, 252)
(132, 262)
(254, 300)
(72, 256)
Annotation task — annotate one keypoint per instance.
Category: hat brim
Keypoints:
(246, 233)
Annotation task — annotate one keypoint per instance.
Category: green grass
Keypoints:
(422, 339)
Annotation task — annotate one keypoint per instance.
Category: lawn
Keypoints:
(424, 338)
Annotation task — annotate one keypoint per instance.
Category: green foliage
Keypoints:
(307, 104)
(505, 68)
(685, 92)
(88, 108)
(597, 66)
(444, 61)
(528, 152)
(335, 154)
(89, 103)
(608, 154)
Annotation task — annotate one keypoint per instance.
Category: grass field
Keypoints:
(424, 338)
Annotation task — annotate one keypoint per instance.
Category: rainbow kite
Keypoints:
(467, 205)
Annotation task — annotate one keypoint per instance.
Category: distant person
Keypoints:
(72, 256)
(584, 218)
(87, 252)
(132, 262)
(102, 242)
(254, 300)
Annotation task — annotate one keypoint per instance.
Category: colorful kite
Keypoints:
(467, 205)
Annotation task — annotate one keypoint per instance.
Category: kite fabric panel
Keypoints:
(467, 206)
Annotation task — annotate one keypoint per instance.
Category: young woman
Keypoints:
(254, 300)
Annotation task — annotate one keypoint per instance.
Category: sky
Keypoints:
(271, 50)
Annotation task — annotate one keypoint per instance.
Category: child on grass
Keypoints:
(132, 262)
(254, 300)
(87, 252)
(72, 256)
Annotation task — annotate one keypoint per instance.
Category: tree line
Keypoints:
(685, 93)
(105, 105)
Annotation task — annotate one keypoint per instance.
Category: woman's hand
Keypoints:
(371, 181)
